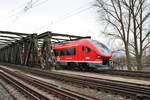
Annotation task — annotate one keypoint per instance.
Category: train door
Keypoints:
(86, 54)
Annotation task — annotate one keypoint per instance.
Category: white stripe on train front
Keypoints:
(79, 61)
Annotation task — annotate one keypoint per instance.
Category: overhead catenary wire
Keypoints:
(10, 13)
(66, 16)
(20, 11)
(29, 5)
(16, 13)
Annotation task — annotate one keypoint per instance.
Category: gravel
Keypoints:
(87, 91)
(4, 95)
(8, 92)
(102, 95)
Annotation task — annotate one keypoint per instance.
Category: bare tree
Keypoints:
(130, 20)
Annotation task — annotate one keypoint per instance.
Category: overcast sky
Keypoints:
(77, 17)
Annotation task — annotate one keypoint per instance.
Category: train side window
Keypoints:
(71, 51)
(57, 52)
(61, 53)
(64, 52)
(87, 50)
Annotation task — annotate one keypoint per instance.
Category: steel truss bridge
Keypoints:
(32, 50)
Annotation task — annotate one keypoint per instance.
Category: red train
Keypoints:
(85, 53)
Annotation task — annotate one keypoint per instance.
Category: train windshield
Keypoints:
(101, 47)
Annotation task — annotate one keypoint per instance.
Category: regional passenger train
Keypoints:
(83, 54)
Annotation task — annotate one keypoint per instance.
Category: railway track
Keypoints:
(138, 74)
(20, 86)
(39, 90)
(136, 91)
(124, 88)
(126, 73)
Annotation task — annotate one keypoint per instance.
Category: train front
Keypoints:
(103, 54)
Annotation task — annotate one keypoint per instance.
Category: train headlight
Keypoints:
(98, 56)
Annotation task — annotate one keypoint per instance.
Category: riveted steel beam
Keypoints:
(14, 33)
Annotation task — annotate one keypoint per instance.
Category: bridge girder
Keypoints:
(31, 49)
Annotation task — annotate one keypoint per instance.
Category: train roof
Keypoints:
(70, 44)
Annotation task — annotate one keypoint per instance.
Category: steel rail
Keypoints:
(32, 94)
(138, 74)
(52, 89)
(141, 74)
(124, 88)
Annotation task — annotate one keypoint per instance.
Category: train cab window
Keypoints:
(87, 50)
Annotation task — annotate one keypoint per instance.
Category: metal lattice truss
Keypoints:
(7, 37)
(31, 49)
